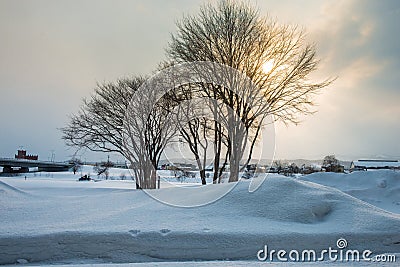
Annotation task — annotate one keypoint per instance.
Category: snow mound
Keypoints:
(120, 225)
(380, 188)
(7, 190)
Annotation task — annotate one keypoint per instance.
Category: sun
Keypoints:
(268, 66)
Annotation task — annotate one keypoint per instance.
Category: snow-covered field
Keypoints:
(52, 218)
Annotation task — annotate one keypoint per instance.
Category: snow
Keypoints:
(53, 218)
(223, 263)
(376, 164)
(380, 188)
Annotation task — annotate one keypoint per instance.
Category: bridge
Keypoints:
(24, 164)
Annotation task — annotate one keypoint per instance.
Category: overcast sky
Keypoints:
(52, 53)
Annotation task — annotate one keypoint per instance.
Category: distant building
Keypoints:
(185, 166)
(22, 155)
(178, 167)
(122, 165)
(374, 164)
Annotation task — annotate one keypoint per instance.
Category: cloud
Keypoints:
(358, 114)
(52, 54)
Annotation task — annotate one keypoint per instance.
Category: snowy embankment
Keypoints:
(380, 188)
(62, 220)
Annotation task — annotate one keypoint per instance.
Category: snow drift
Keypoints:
(380, 188)
(103, 222)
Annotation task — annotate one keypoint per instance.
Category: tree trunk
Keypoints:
(217, 151)
(203, 176)
(252, 145)
(234, 162)
(202, 170)
(224, 165)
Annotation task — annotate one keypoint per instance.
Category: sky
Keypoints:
(52, 54)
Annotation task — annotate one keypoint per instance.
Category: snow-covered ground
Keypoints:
(379, 188)
(52, 218)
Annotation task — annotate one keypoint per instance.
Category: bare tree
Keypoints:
(98, 124)
(101, 126)
(332, 164)
(148, 129)
(198, 119)
(193, 124)
(102, 168)
(76, 164)
(274, 57)
(330, 160)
